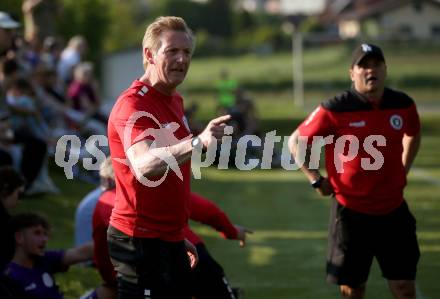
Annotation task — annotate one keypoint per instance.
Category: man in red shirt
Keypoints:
(151, 147)
(371, 135)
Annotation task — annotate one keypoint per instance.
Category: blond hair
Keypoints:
(152, 35)
(76, 42)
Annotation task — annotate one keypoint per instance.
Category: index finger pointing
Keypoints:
(220, 120)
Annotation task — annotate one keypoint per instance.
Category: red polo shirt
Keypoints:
(360, 184)
(140, 210)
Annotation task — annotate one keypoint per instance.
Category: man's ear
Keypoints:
(350, 72)
(149, 55)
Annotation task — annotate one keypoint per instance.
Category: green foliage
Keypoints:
(244, 21)
(89, 18)
(219, 18)
(125, 29)
(191, 11)
(220, 30)
(13, 7)
(311, 25)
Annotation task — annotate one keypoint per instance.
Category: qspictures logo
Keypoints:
(162, 138)
(346, 149)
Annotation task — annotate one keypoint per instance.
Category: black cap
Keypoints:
(365, 50)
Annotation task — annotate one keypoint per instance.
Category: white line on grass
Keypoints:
(420, 173)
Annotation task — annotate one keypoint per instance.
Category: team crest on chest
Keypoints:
(396, 122)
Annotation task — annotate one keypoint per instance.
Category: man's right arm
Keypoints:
(147, 161)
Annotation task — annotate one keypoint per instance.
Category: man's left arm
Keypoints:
(411, 145)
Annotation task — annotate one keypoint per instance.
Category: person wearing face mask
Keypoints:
(25, 113)
(380, 132)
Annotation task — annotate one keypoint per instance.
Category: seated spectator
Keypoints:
(51, 52)
(70, 57)
(33, 156)
(9, 70)
(83, 99)
(82, 93)
(32, 132)
(61, 118)
(28, 53)
(32, 266)
(25, 114)
(53, 103)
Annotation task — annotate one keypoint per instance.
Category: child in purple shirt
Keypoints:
(38, 280)
(32, 267)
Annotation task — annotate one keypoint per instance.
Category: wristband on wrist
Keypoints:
(317, 183)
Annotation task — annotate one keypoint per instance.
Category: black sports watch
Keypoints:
(318, 182)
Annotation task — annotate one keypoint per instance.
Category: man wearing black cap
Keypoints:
(372, 135)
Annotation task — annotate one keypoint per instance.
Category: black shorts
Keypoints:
(149, 268)
(355, 238)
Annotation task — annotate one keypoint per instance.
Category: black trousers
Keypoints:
(209, 278)
(149, 268)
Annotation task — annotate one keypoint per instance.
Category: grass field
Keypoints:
(285, 257)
